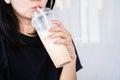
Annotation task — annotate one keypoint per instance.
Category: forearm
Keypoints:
(69, 71)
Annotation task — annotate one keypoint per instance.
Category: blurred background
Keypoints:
(95, 28)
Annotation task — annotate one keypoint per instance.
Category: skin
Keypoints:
(24, 13)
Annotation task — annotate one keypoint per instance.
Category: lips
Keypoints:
(35, 8)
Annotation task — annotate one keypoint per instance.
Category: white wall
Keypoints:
(95, 27)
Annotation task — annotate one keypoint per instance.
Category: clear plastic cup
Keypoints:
(41, 21)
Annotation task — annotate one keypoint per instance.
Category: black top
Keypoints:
(28, 62)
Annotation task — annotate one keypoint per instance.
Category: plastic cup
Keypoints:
(41, 21)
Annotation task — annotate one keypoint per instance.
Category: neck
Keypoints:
(26, 27)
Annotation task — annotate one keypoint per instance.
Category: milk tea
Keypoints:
(58, 53)
(41, 21)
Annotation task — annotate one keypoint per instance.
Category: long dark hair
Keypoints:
(9, 22)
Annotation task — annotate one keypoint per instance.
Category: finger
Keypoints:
(58, 23)
(58, 35)
(55, 29)
(61, 41)
(58, 29)
(65, 42)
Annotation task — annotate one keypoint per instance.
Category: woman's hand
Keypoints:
(69, 70)
(65, 37)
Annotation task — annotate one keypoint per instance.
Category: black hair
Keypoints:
(9, 22)
(50, 4)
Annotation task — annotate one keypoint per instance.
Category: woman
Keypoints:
(22, 55)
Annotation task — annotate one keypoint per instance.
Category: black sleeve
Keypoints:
(78, 63)
(2, 61)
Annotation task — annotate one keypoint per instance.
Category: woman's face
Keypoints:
(25, 8)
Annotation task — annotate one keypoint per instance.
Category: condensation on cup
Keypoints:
(41, 21)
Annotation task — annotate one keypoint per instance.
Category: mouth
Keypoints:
(35, 8)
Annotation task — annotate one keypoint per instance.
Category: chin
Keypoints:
(29, 16)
